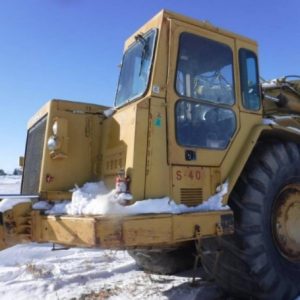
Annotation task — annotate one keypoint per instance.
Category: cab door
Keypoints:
(202, 110)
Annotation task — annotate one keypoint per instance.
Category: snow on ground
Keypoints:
(33, 271)
(10, 184)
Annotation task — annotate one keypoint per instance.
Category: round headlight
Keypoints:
(55, 127)
(53, 143)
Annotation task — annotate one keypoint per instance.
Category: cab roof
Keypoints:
(157, 21)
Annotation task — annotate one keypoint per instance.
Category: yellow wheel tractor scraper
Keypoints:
(194, 129)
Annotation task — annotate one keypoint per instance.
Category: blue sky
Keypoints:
(70, 49)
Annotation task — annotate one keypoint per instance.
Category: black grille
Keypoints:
(33, 157)
(191, 197)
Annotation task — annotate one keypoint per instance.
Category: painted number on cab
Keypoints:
(190, 174)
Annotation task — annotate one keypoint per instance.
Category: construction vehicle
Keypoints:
(190, 115)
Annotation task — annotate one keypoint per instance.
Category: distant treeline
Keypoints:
(15, 172)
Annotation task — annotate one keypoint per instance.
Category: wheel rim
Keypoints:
(286, 222)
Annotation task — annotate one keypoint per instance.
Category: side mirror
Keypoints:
(21, 161)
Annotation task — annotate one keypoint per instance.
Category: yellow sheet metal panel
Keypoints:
(2, 239)
(39, 114)
(206, 25)
(36, 226)
(79, 130)
(56, 195)
(125, 146)
(73, 231)
(164, 15)
(137, 173)
(118, 143)
(157, 168)
(191, 185)
(148, 231)
(117, 232)
(241, 149)
(109, 232)
(184, 225)
(16, 225)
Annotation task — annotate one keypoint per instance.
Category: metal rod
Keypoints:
(18, 196)
(58, 249)
(271, 98)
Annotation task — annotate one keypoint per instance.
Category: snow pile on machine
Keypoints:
(7, 204)
(96, 199)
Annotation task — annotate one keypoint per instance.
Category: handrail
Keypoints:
(18, 196)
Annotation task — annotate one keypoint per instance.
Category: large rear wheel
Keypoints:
(262, 259)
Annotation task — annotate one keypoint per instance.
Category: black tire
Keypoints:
(164, 261)
(250, 263)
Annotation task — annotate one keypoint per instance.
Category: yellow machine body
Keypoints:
(71, 143)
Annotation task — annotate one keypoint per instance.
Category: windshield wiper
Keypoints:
(139, 38)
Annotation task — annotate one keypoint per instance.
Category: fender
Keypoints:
(258, 134)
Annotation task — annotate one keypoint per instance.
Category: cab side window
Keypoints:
(205, 70)
(249, 79)
(205, 87)
(203, 125)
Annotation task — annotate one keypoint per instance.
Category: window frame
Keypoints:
(233, 71)
(225, 107)
(242, 84)
(150, 69)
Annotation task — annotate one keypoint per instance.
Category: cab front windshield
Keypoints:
(136, 68)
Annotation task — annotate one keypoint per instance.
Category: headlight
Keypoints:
(55, 128)
(53, 143)
(58, 142)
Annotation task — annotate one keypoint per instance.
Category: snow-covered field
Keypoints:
(10, 184)
(33, 271)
